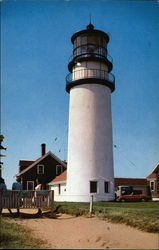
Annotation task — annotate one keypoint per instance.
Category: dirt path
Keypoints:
(79, 232)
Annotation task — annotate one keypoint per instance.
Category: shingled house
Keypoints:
(153, 180)
(45, 168)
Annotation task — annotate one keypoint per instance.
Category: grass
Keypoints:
(141, 215)
(14, 236)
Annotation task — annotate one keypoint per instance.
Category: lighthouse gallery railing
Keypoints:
(90, 73)
(89, 54)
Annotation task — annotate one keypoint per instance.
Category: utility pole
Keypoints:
(1, 155)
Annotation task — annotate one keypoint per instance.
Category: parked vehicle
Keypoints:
(127, 193)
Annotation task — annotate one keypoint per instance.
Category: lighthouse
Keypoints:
(90, 168)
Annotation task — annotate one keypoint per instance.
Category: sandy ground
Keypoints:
(80, 232)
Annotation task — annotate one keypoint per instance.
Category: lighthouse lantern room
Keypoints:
(90, 147)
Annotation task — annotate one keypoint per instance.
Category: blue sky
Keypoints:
(35, 48)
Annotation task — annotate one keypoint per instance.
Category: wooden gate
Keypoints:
(26, 199)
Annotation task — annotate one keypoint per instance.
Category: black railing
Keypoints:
(87, 55)
(90, 73)
(90, 48)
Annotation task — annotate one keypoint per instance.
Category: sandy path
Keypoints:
(80, 232)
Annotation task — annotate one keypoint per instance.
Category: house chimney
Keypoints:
(43, 148)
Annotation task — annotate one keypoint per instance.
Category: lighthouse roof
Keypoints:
(90, 31)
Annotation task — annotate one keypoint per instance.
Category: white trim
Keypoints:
(103, 178)
(57, 182)
(40, 165)
(30, 182)
(151, 179)
(153, 185)
(155, 167)
(40, 159)
(155, 199)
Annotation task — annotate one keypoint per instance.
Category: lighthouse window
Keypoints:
(93, 186)
(79, 51)
(78, 41)
(93, 39)
(84, 49)
(84, 40)
(103, 42)
(75, 52)
(91, 48)
(103, 51)
(106, 187)
(75, 43)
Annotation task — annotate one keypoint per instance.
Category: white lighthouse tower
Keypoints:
(90, 147)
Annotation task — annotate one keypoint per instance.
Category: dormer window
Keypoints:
(58, 169)
(40, 169)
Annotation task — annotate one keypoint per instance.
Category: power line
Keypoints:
(131, 162)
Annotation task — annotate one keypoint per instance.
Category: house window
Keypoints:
(40, 169)
(58, 169)
(106, 187)
(93, 186)
(152, 185)
(30, 185)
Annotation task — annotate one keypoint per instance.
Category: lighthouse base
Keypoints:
(87, 198)
(65, 195)
(83, 198)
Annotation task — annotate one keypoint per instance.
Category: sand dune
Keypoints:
(79, 232)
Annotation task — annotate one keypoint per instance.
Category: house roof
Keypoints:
(59, 179)
(156, 168)
(118, 181)
(39, 160)
(25, 163)
(154, 171)
(151, 176)
(130, 181)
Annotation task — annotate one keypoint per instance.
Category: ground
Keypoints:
(67, 231)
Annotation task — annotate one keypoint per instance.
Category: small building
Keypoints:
(153, 180)
(59, 185)
(47, 167)
(136, 183)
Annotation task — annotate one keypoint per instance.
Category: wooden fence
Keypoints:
(26, 199)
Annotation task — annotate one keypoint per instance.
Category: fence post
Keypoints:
(52, 203)
(91, 205)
